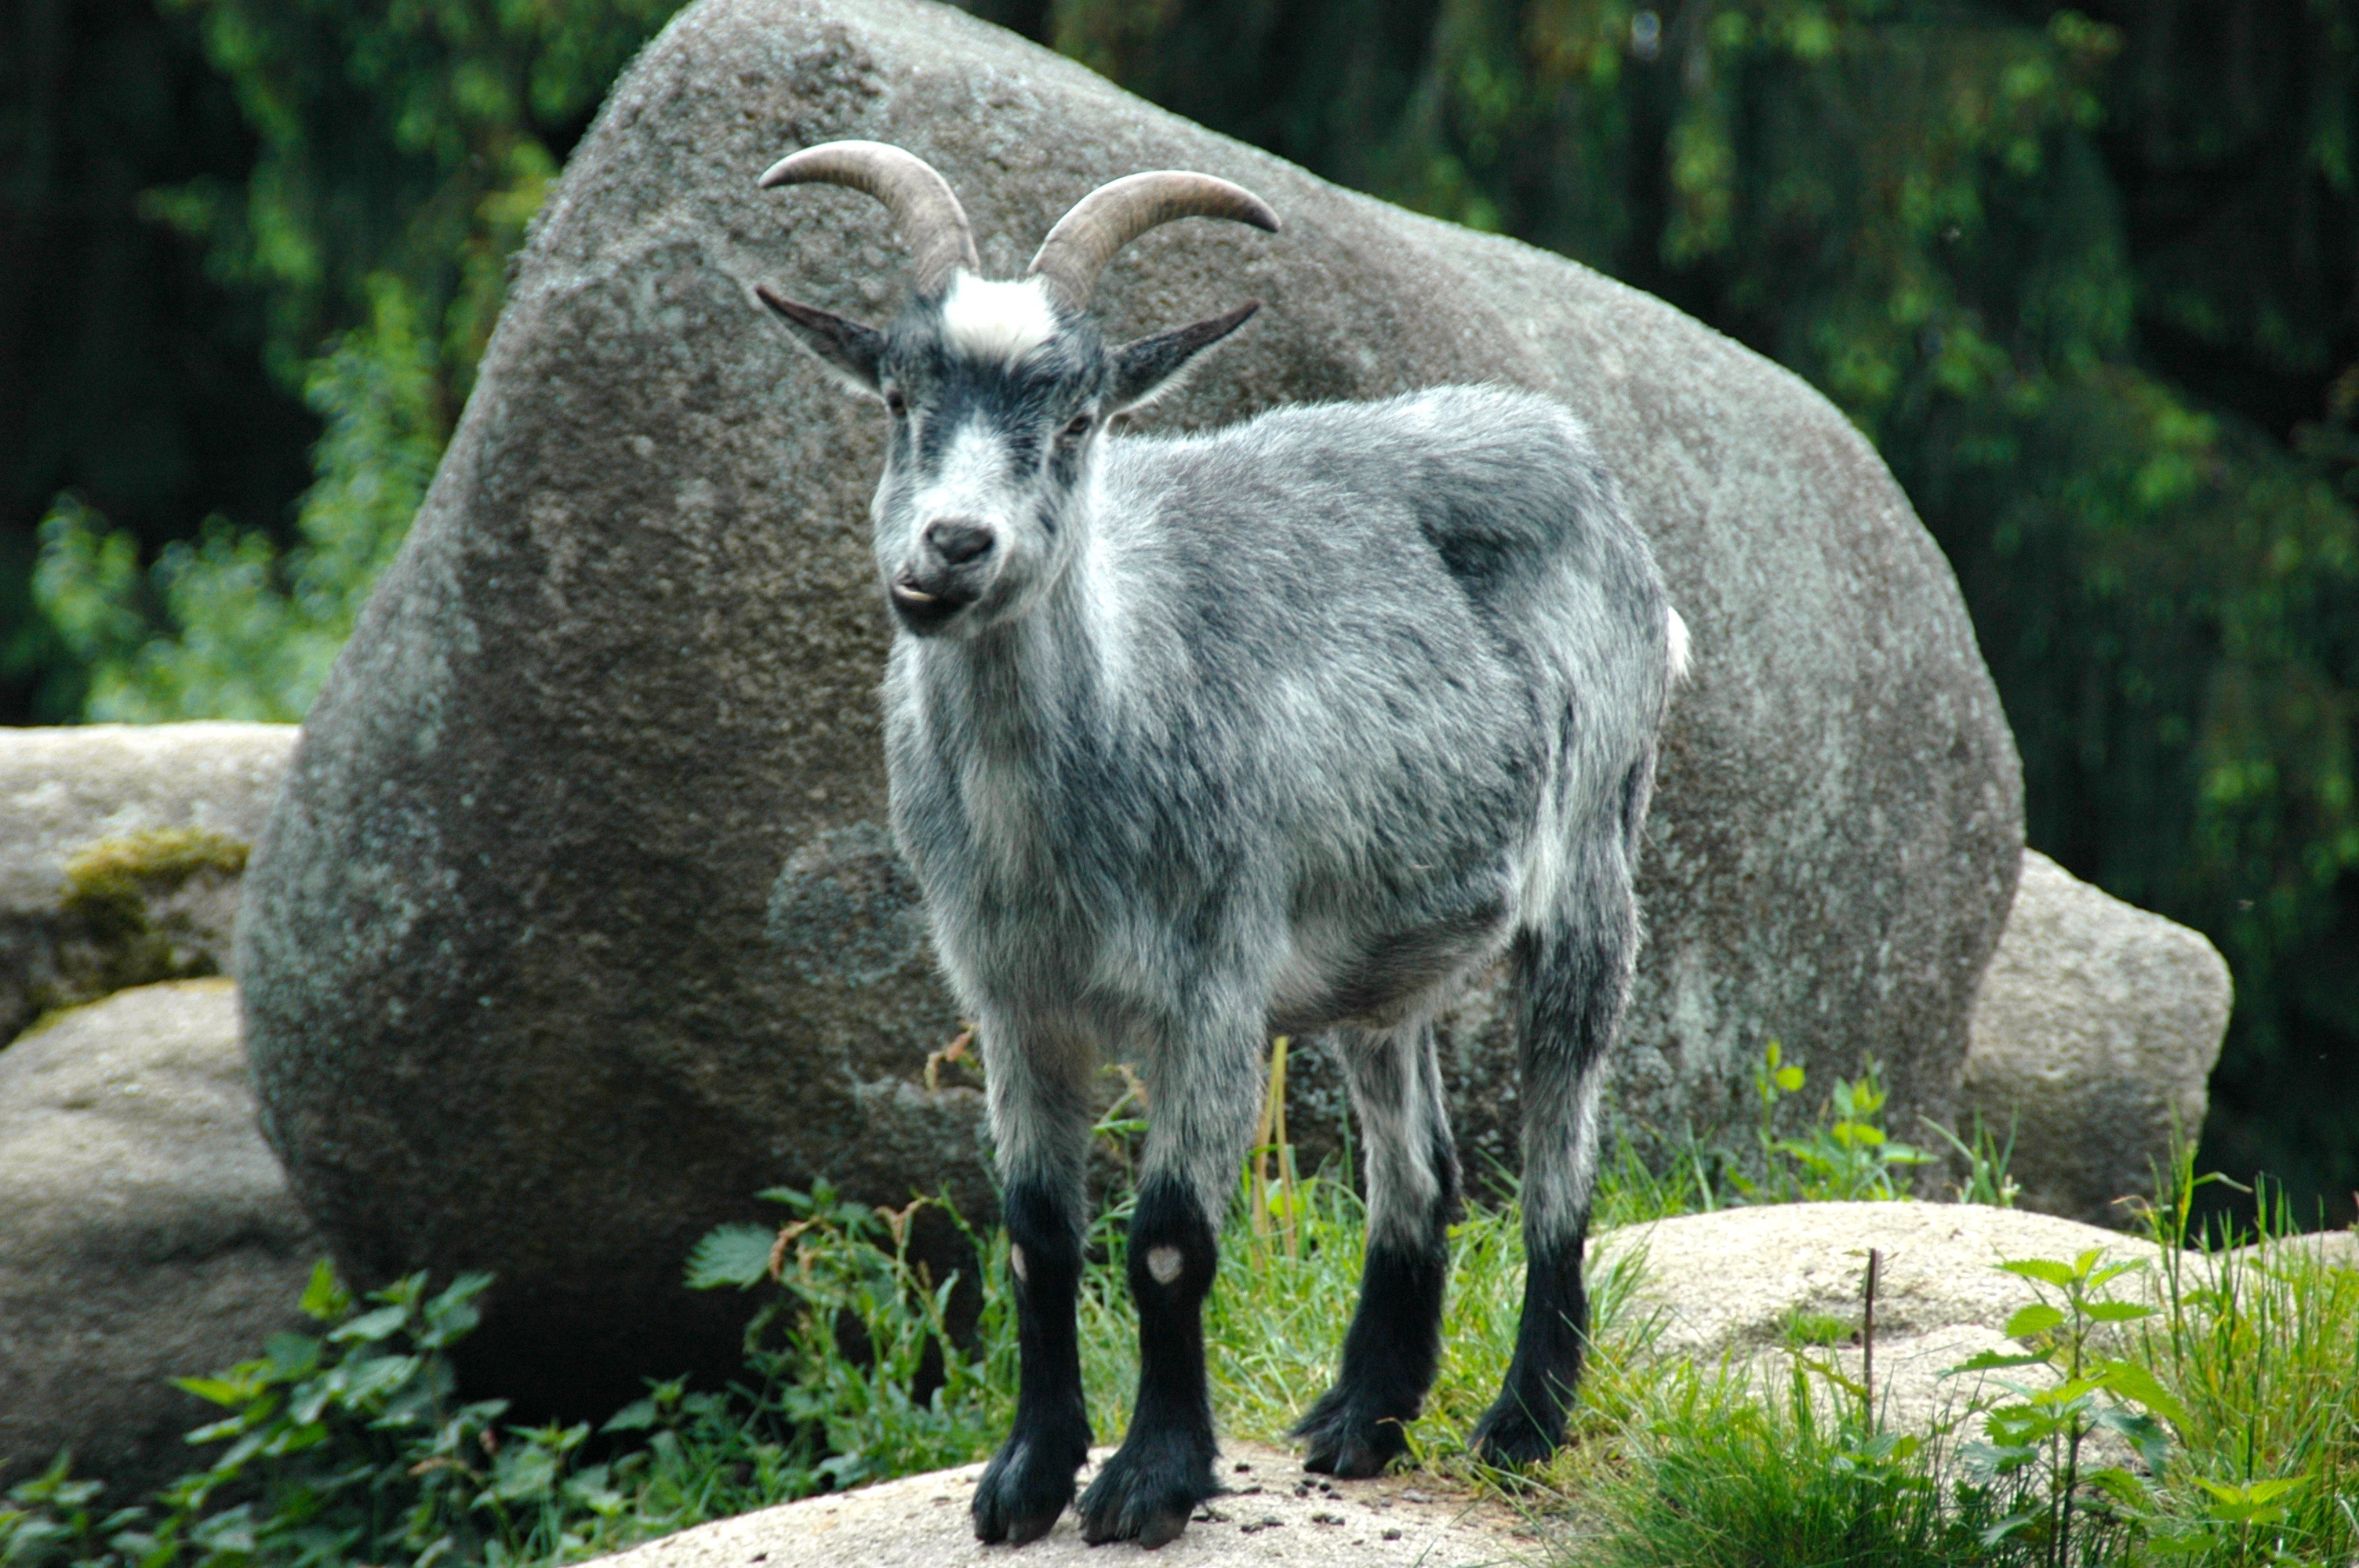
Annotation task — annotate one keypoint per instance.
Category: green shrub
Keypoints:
(232, 626)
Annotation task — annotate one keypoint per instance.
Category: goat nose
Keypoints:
(957, 540)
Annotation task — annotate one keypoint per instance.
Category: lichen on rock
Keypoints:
(147, 907)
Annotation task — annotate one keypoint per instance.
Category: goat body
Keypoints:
(1292, 727)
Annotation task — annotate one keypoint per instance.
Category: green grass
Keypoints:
(350, 1446)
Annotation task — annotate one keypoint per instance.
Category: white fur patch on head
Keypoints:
(1676, 631)
(1003, 321)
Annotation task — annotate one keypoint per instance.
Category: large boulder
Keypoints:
(2092, 1043)
(146, 1233)
(121, 846)
(579, 921)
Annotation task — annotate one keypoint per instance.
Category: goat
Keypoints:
(1284, 728)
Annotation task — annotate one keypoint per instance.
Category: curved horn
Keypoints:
(1114, 214)
(921, 202)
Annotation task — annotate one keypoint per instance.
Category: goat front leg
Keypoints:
(1040, 1124)
(1360, 1425)
(1202, 1097)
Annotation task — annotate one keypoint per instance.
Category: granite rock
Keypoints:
(1733, 1286)
(145, 1232)
(2093, 1040)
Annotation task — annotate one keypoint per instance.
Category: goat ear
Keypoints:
(1152, 366)
(852, 350)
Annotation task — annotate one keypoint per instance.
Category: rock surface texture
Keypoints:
(1734, 1284)
(117, 848)
(145, 1232)
(2094, 1038)
(921, 1522)
(546, 955)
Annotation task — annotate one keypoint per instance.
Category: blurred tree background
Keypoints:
(2090, 279)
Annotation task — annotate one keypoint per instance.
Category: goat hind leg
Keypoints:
(1041, 1121)
(1574, 977)
(1359, 1426)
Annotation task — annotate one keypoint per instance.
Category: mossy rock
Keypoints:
(142, 908)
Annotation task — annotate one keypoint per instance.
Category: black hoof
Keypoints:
(1148, 1489)
(1347, 1440)
(1508, 1437)
(1023, 1492)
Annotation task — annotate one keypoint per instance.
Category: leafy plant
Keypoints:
(1843, 1155)
(2049, 1426)
(909, 1395)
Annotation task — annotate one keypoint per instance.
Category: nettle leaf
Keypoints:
(2144, 1432)
(2013, 1522)
(637, 1416)
(2117, 1484)
(229, 1389)
(325, 1298)
(372, 1326)
(735, 1255)
(293, 1356)
(2046, 1271)
(2132, 1382)
(2116, 1312)
(2037, 1318)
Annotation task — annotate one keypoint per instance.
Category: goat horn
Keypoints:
(1114, 214)
(921, 200)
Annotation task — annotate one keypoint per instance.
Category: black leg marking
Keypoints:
(1030, 1480)
(1525, 1423)
(1164, 1468)
(1411, 1171)
(1359, 1426)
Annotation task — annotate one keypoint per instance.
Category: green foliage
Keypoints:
(230, 627)
(1714, 1474)
(401, 151)
(1843, 1156)
(911, 1396)
(2047, 1426)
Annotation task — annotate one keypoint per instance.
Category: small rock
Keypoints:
(2092, 1037)
(145, 1232)
(1728, 1285)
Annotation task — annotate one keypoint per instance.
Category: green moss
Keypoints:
(108, 883)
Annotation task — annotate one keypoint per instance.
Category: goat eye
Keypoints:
(895, 404)
(1077, 427)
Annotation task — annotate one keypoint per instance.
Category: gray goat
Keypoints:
(1284, 728)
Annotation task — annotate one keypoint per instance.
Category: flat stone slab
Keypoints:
(1274, 1512)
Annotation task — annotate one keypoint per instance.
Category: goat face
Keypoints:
(997, 391)
(997, 397)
